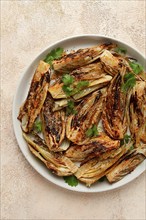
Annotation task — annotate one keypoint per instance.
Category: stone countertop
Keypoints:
(27, 28)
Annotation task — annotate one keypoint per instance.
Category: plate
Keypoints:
(74, 42)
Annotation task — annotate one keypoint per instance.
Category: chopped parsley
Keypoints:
(129, 78)
(129, 82)
(136, 67)
(81, 85)
(67, 90)
(92, 132)
(71, 180)
(70, 88)
(38, 126)
(67, 80)
(54, 54)
(125, 140)
(120, 50)
(70, 108)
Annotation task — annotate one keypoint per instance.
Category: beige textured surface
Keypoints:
(27, 28)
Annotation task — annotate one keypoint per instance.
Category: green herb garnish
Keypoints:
(120, 50)
(81, 85)
(102, 179)
(67, 90)
(89, 132)
(54, 54)
(70, 108)
(125, 140)
(132, 147)
(129, 82)
(67, 79)
(136, 67)
(92, 132)
(71, 180)
(38, 126)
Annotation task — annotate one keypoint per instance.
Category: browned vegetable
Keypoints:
(114, 117)
(137, 113)
(57, 92)
(88, 114)
(127, 165)
(36, 97)
(94, 169)
(57, 163)
(110, 62)
(53, 126)
(93, 148)
(80, 57)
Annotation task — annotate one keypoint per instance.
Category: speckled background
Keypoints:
(26, 28)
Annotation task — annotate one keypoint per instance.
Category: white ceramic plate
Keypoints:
(75, 42)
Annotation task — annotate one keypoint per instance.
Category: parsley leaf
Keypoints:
(125, 140)
(132, 147)
(71, 180)
(49, 60)
(70, 104)
(54, 54)
(95, 131)
(82, 84)
(67, 79)
(58, 53)
(70, 108)
(120, 50)
(89, 132)
(136, 67)
(68, 86)
(92, 132)
(129, 82)
(68, 90)
(102, 179)
(38, 126)
(128, 76)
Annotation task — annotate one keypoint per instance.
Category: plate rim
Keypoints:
(21, 76)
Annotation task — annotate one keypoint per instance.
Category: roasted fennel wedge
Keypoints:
(94, 147)
(110, 62)
(94, 169)
(57, 163)
(88, 114)
(114, 117)
(80, 57)
(89, 72)
(57, 91)
(137, 113)
(59, 104)
(125, 166)
(53, 126)
(36, 97)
